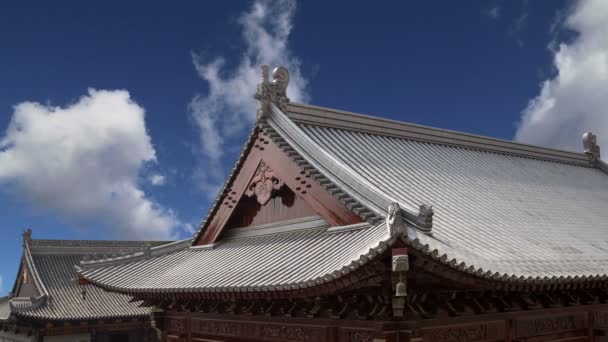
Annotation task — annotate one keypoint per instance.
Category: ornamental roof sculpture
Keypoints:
(592, 149)
(476, 194)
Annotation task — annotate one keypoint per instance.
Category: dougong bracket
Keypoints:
(274, 91)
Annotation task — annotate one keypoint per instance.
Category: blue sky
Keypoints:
(119, 120)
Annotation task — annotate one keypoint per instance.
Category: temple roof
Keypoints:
(53, 290)
(492, 208)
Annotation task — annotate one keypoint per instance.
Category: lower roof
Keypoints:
(51, 264)
(292, 259)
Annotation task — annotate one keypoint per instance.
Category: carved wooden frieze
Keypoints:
(177, 325)
(544, 325)
(361, 336)
(601, 319)
(466, 333)
(289, 333)
(263, 183)
(486, 331)
(215, 327)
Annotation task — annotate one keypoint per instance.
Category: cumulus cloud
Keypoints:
(575, 100)
(83, 161)
(156, 179)
(1, 284)
(229, 108)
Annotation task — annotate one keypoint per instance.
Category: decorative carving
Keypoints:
(551, 324)
(394, 221)
(27, 236)
(25, 276)
(459, 334)
(216, 328)
(601, 319)
(263, 183)
(361, 336)
(425, 216)
(147, 251)
(272, 92)
(286, 333)
(177, 325)
(592, 149)
(400, 263)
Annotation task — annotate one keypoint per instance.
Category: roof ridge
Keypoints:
(329, 117)
(146, 252)
(70, 243)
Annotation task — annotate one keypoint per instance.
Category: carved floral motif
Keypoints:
(263, 183)
(177, 325)
(601, 319)
(459, 334)
(216, 328)
(286, 333)
(551, 324)
(360, 336)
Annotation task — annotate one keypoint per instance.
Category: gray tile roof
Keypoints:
(503, 210)
(503, 207)
(59, 296)
(262, 262)
(5, 308)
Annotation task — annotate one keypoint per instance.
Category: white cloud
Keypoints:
(1, 284)
(229, 108)
(83, 162)
(492, 12)
(156, 179)
(575, 100)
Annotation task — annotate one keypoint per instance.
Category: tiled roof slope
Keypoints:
(503, 210)
(5, 308)
(53, 262)
(287, 257)
(503, 207)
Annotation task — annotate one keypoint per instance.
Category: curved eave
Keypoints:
(497, 280)
(30, 315)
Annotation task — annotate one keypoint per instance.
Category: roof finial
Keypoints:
(147, 251)
(27, 236)
(394, 221)
(592, 149)
(274, 91)
(425, 217)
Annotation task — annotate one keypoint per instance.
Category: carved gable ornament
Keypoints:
(263, 183)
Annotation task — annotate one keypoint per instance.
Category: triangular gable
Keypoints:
(270, 187)
(24, 285)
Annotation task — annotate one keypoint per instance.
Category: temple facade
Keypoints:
(334, 226)
(47, 303)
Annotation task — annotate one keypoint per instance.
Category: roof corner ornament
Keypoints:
(274, 91)
(425, 217)
(27, 236)
(395, 222)
(592, 149)
(147, 251)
